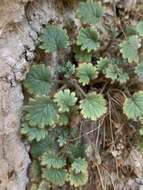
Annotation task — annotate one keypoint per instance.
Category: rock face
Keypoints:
(20, 21)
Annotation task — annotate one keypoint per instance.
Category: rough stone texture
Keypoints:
(18, 34)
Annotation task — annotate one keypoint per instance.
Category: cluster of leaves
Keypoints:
(48, 113)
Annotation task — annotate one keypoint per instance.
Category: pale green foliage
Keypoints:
(41, 111)
(75, 151)
(123, 77)
(55, 176)
(102, 64)
(79, 165)
(90, 12)
(44, 185)
(65, 100)
(139, 28)
(53, 39)
(53, 118)
(129, 48)
(93, 106)
(78, 179)
(34, 133)
(34, 186)
(139, 70)
(86, 72)
(39, 80)
(39, 148)
(51, 160)
(62, 120)
(110, 68)
(67, 69)
(82, 55)
(116, 73)
(112, 72)
(88, 39)
(62, 140)
(133, 106)
(79, 174)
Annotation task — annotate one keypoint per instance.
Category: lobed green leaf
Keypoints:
(53, 39)
(93, 106)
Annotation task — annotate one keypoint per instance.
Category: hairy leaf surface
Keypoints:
(55, 176)
(75, 151)
(82, 55)
(88, 39)
(39, 80)
(65, 100)
(41, 111)
(53, 39)
(86, 72)
(79, 165)
(51, 160)
(44, 185)
(116, 73)
(139, 28)
(34, 133)
(63, 119)
(67, 69)
(93, 106)
(90, 12)
(62, 139)
(133, 106)
(78, 179)
(39, 148)
(102, 64)
(129, 48)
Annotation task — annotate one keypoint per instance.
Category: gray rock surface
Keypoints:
(20, 20)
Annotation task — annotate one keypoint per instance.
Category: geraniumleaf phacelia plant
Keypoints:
(47, 122)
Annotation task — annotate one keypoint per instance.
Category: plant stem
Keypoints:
(77, 86)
